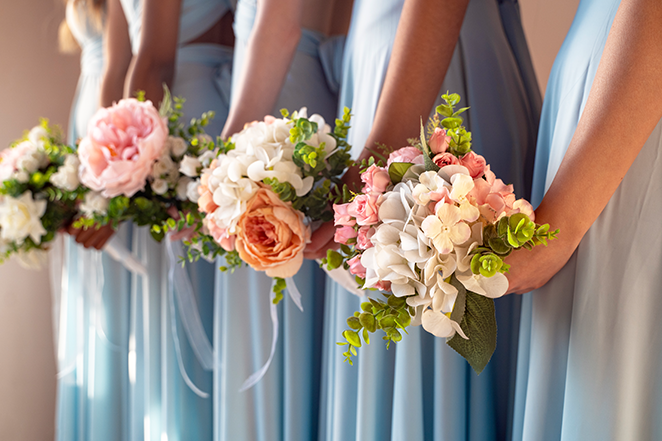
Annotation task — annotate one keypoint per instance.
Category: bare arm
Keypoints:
(627, 87)
(155, 62)
(269, 54)
(117, 53)
(421, 55)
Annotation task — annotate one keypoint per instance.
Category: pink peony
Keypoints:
(439, 141)
(343, 234)
(341, 216)
(363, 239)
(406, 154)
(355, 266)
(376, 179)
(444, 159)
(365, 209)
(219, 234)
(122, 143)
(474, 163)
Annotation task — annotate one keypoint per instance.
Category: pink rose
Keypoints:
(523, 206)
(474, 163)
(343, 234)
(122, 143)
(363, 239)
(492, 196)
(383, 285)
(406, 154)
(355, 266)
(9, 159)
(365, 209)
(376, 179)
(439, 141)
(444, 159)
(341, 216)
(219, 234)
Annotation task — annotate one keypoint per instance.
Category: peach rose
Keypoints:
(120, 148)
(474, 163)
(271, 235)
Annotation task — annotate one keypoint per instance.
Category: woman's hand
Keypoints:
(92, 237)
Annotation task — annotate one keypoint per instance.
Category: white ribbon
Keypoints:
(295, 295)
(343, 278)
(118, 251)
(188, 307)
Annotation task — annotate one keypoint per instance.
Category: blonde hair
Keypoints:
(95, 11)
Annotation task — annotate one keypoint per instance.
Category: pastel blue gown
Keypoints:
(89, 291)
(421, 389)
(136, 373)
(590, 362)
(284, 405)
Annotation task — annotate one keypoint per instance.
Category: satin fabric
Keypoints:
(121, 376)
(420, 389)
(284, 405)
(589, 365)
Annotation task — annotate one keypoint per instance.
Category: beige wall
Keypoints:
(34, 81)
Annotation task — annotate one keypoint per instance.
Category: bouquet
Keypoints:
(39, 193)
(267, 189)
(430, 229)
(142, 164)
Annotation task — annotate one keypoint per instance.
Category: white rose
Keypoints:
(37, 136)
(207, 157)
(192, 191)
(22, 177)
(189, 166)
(159, 186)
(162, 166)
(21, 217)
(177, 145)
(94, 203)
(182, 188)
(66, 177)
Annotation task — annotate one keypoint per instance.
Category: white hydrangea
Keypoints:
(182, 188)
(21, 217)
(94, 203)
(192, 191)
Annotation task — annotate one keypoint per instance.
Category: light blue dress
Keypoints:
(284, 405)
(590, 363)
(421, 389)
(89, 293)
(129, 380)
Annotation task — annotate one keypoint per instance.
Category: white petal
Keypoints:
(460, 233)
(437, 324)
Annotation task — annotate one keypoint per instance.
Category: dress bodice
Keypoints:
(88, 36)
(197, 16)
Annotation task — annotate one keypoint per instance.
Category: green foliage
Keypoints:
(397, 170)
(391, 316)
(479, 325)
(279, 286)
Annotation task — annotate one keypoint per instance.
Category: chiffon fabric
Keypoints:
(89, 314)
(284, 405)
(590, 363)
(131, 367)
(421, 389)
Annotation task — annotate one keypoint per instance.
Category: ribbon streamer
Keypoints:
(118, 251)
(343, 278)
(188, 307)
(295, 295)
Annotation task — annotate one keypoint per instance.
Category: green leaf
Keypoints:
(352, 338)
(397, 170)
(479, 324)
(460, 302)
(334, 259)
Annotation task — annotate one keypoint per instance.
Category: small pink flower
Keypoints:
(492, 196)
(444, 159)
(355, 266)
(523, 206)
(363, 240)
(376, 179)
(474, 163)
(122, 143)
(383, 285)
(269, 119)
(341, 216)
(439, 141)
(219, 234)
(365, 209)
(343, 234)
(406, 154)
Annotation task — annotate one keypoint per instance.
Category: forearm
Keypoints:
(149, 76)
(117, 54)
(425, 40)
(623, 108)
(269, 55)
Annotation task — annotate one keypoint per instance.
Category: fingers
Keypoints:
(92, 237)
(321, 241)
(102, 237)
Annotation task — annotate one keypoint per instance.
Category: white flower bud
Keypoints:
(192, 191)
(189, 166)
(94, 203)
(182, 188)
(177, 145)
(159, 186)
